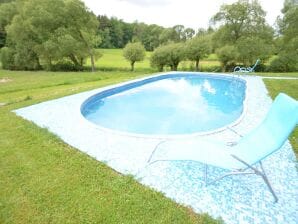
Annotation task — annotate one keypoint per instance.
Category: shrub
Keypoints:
(64, 66)
(251, 48)
(227, 55)
(23, 59)
(284, 63)
(6, 55)
(211, 68)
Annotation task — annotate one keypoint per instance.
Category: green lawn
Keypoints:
(45, 180)
(278, 74)
(113, 60)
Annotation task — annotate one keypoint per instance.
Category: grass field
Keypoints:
(44, 180)
(113, 60)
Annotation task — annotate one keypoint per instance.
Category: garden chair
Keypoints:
(247, 69)
(243, 157)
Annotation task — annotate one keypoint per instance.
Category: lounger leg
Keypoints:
(264, 176)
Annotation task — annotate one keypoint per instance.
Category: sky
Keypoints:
(190, 13)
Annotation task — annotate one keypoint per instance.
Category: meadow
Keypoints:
(44, 180)
(113, 60)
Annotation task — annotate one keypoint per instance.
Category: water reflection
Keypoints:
(170, 106)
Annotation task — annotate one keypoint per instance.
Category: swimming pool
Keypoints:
(169, 105)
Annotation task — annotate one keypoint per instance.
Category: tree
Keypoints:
(104, 32)
(116, 32)
(251, 48)
(134, 52)
(197, 49)
(240, 20)
(50, 32)
(287, 59)
(150, 37)
(226, 55)
(179, 29)
(169, 35)
(189, 33)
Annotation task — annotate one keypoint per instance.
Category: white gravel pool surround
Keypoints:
(237, 199)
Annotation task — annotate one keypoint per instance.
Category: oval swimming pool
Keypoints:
(169, 104)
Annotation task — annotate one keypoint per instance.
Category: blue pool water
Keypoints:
(169, 105)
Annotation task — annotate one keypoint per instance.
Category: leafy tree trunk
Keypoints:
(74, 60)
(160, 68)
(38, 66)
(224, 67)
(197, 65)
(89, 50)
(175, 67)
(92, 60)
(132, 64)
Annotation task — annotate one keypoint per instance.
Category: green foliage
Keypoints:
(134, 52)
(49, 32)
(240, 19)
(7, 12)
(171, 55)
(6, 57)
(159, 58)
(176, 53)
(285, 63)
(251, 48)
(244, 26)
(116, 33)
(198, 48)
(288, 24)
(287, 59)
(148, 35)
(226, 56)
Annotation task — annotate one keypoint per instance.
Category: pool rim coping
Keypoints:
(172, 136)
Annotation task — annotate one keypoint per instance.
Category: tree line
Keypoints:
(241, 36)
(116, 33)
(62, 34)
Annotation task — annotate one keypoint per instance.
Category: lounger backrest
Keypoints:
(272, 133)
(255, 65)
